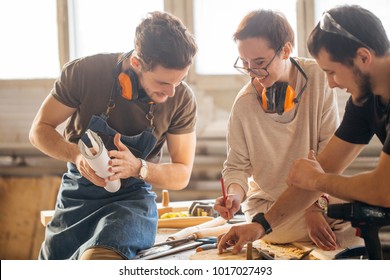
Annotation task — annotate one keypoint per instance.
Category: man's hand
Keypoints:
(319, 230)
(304, 172)
(87, 172)
(228, 209)
(123, 163)
(240, 235)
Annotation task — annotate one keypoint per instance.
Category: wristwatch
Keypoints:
(260, 219)
(143, 172)
(323, 202)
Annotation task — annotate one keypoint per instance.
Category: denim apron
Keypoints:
(89, 216)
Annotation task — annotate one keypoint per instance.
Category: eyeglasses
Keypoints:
(329, 24)
(260, 72)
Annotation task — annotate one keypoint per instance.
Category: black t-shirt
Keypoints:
(360, 123)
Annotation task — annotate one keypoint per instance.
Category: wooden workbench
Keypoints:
(164, 233)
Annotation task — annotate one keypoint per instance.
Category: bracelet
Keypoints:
(260, 219)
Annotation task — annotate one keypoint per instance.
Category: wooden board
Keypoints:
(213, 255)
(46, 216)
(279, 252)
(183, 222)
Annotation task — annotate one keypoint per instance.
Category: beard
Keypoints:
(363, 82)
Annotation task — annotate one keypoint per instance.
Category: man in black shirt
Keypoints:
(351, 46)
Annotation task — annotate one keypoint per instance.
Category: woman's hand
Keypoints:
(228, 208)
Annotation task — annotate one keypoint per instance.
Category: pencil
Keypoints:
(223, 191)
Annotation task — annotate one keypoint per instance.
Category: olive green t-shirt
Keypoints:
(85, 84)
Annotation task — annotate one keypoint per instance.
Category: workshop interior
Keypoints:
(40, 38)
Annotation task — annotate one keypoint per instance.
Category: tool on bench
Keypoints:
(206, 247)
(367, 219)
(155, 254)
(199, 208)
(265, 255)
(171, 247)
(177, 220)
(212, 228)
(186, 239)
(213, 244)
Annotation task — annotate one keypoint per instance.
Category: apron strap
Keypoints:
(149, 116)
(115, 85)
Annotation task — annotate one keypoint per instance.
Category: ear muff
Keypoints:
(128, 83)
(290, 99)
(278, 98)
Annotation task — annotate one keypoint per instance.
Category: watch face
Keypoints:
(322, 203)
(143, 172)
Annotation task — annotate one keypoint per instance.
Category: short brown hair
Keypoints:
(268, 24)
(162, 39)
(358, 21)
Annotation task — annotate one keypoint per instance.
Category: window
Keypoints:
(31, 30)
(30, 34)
(29, 47)
(214, 24)
(106, 25)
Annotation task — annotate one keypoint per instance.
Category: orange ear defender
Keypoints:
(126, 82)
(129, 85)
(278, 98)
(289, 99)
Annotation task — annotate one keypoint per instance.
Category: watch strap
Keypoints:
(260, 219)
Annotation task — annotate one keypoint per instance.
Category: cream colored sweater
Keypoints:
(262, 149)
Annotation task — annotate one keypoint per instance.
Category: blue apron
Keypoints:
(89, 216)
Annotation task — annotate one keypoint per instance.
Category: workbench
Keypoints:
(164, 233)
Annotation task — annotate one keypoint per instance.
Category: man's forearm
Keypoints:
(293, 200)
(171, 176)
(52, 143)
(366, 187)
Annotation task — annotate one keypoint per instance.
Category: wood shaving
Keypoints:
(282, 251)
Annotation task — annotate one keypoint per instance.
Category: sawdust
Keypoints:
(282, 251)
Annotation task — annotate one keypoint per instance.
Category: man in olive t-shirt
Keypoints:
(136, 101)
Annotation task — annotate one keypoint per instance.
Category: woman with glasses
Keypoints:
(285, 109)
